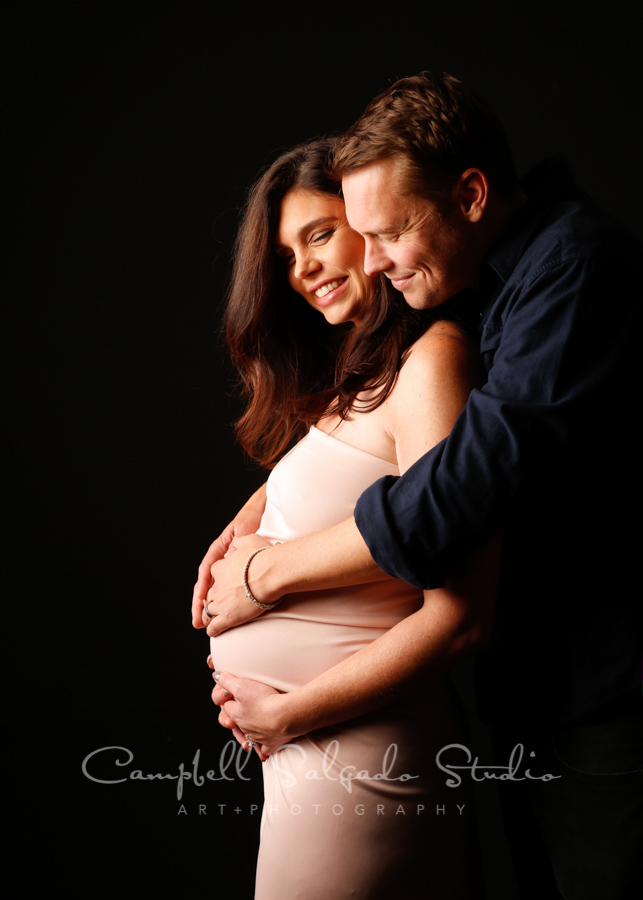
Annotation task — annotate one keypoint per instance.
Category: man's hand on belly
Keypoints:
(253, 711)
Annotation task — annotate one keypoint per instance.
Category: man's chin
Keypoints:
(419, 300)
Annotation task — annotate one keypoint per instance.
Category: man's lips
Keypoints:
(400, 281)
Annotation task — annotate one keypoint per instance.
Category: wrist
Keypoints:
(264, 577)
(246, 586)
(288, 715)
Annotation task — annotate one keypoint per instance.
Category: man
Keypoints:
(544, 452)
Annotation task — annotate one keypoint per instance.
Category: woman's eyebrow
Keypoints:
(303, 231)
(314, 224)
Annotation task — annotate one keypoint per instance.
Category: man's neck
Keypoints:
(498, 217)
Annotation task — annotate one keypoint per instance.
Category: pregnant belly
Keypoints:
(287, 652)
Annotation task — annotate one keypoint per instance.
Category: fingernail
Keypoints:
(216, 676)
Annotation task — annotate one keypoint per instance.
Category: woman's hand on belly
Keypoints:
(224, 718)
(246, 521)
(255, 710)
(226, 600)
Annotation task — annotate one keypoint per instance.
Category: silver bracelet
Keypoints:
(246, 586)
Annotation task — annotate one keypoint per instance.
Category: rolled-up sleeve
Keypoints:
(549, 356)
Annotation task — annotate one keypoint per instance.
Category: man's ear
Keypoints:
(473, 194)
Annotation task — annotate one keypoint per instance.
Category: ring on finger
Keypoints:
(205, 609)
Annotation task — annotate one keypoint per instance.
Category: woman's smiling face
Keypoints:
(323, 255)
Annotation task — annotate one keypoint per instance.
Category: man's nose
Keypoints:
(375, 260)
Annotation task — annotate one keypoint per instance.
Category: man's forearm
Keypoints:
(327, 559)
(424, 644)
(453, 622)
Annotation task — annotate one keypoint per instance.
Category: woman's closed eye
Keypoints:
(322, 237)
(317, 239)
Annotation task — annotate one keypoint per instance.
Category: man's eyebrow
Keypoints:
(394, 228)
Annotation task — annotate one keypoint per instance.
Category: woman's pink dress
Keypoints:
(358, 810)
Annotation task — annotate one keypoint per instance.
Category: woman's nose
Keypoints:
(305, 265)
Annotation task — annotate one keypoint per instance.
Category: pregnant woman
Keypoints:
(358, 809)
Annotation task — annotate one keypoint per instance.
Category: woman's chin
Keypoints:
(336, 316)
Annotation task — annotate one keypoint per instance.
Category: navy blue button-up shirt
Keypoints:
(546, 452)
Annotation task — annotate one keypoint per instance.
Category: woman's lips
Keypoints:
(330, 295)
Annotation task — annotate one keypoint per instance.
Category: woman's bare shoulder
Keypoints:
(444, 350)
(433, 385)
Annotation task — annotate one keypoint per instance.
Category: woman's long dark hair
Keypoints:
(294, 366)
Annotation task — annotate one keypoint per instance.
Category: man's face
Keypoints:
(425, 253)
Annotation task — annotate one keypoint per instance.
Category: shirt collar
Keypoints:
(544, 185)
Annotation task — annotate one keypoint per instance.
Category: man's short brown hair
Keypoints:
(440, 127)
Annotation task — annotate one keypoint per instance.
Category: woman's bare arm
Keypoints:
(245, 522)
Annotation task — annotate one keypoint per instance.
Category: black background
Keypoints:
(137, 132)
